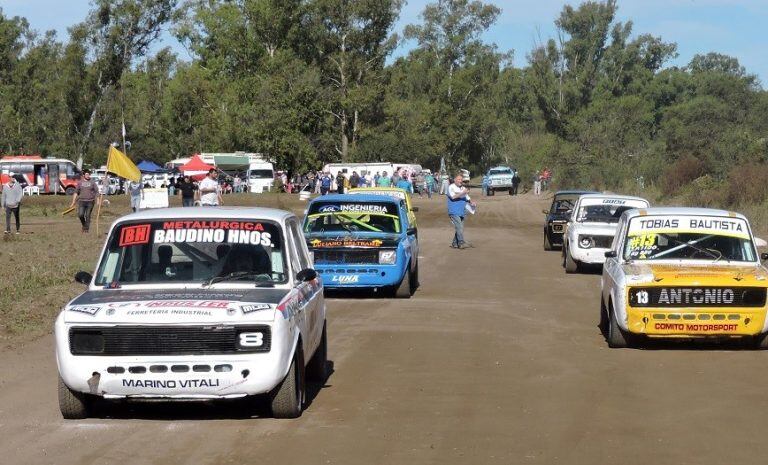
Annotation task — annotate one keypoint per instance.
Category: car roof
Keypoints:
(500, 167)
(610, 196)
(682, 211)
(566, 192)
(356, 198)
(361, 190)
(250, 213)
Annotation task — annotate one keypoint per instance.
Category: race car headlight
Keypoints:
(387, 257)
(85, 342)
(586, 242)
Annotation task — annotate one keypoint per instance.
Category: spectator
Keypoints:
(444, 183)
(86, 193)
(136, 191)
(403, 183)
(11, 201)
(238, 184)
(458, 197)
(515, 182)
(187, 188)
(384, 180)
(340, 180)
(537, 184)
(430, 184)
(210, 192)
(354, 180)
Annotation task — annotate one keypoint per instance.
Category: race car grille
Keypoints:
(603, 242)
(169, 340)
(356, 257)
(661, 297)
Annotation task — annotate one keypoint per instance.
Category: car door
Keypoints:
(310, 296)
(612, 266)
(412, 240)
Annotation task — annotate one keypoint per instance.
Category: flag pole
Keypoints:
(106, 186)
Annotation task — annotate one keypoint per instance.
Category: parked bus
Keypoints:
(50, 175)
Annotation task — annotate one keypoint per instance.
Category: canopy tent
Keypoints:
(195, 168)
(229, 162)
(146, 166)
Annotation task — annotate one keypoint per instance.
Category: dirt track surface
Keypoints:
(496, 359)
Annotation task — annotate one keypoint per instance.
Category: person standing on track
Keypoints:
(210, 192)
(11, 201)
(187, 190)
(458, 197)
(86, 193)
(136, 191)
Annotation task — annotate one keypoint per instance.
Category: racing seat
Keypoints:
(247, 258)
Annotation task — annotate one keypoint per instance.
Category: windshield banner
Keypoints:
(344, 242)
(356, 208)
(683, 224)
(396, 193)
(634, 203)
(189, 231)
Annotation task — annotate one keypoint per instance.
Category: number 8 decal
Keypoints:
(251, 339)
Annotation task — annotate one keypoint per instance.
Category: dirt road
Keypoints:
(496, 359)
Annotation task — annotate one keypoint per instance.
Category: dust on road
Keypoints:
(496, 359)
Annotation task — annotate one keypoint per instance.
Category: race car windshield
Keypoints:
(602, 213)
(563, 203)
(375, 218)
(194, 251)
(500, 171)
(719, 240)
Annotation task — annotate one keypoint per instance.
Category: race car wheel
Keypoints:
(617, 338)
(316, 368)
(415, 279)
(73, 405)
(69, 190)
(571, 265)
(547, 243)
(404, 289)
(760, 342)
(288, 398)
(603, 325)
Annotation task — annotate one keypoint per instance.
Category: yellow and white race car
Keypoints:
(683, 273)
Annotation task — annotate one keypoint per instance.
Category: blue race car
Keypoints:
(363, 241)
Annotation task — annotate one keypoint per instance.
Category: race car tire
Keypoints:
(69, 190)
(760, 342)
(571, 265)
(288, 398)
(603, 325)
(316, 368)
(403, 290)
(547, 243)
(73, 405)
(616, 337)
(415, 284)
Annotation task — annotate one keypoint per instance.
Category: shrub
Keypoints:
(748, 184)
(681, 173)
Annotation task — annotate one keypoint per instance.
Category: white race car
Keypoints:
(591, 227)
(684, 273)
(195, 304)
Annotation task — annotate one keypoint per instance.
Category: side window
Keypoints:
(299, 244)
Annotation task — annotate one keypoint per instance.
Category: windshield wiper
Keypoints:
(683, 244)
(238, 275)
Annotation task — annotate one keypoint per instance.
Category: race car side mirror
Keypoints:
(610, 254)
(764, 256)
(546, 212)
(305, 275)
(411, 231)
(83, 277)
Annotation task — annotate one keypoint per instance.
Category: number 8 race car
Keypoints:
(195, 304)
(683, 273)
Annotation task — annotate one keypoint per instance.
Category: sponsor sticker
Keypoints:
(318, 243)
(171, 383)
(87, 309)
(346, 279)
(246, 309)
(649, 226)
(132, 235)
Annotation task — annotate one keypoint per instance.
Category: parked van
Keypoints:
(261, 177)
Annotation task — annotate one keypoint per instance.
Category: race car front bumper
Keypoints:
(591, 256)
(342, 276)
(692, 323)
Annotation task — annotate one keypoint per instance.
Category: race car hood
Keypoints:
(334, 240)
(123, 306)
(598, 229)
(696, 275)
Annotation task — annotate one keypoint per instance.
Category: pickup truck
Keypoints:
(193, 304)
(363, 241)
(499, 178)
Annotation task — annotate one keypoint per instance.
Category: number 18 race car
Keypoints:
(195, 304)
(683, 273)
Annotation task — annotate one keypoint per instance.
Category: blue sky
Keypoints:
(733, 27)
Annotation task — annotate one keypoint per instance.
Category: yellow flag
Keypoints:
(121, 165)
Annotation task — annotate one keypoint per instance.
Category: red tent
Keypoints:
(195, 168)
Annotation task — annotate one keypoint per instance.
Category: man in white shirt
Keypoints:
(210, 193)
(458, 198)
